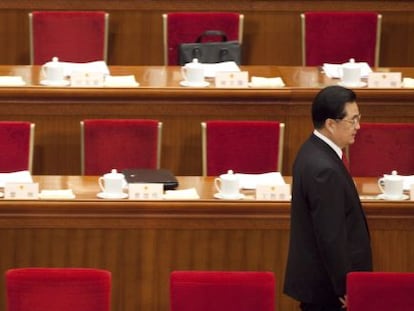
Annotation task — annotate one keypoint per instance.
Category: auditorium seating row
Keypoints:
(89, 289)
(245, 146)
(327, 37)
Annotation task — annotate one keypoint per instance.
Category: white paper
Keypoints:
(266, 82)
(121, 81)
(57, 194)
(335, 70)
(97, 66)
(250, 181)
(15, 177)
(182, 194)
(408, 181)
(11, 81)
(211, 69)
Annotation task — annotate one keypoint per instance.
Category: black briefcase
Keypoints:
(210, 52)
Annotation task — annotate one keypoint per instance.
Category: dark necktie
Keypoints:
(345, 161)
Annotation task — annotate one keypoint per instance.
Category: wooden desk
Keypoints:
(142, 242)
(58, 111)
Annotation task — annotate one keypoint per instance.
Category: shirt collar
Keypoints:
(329, 142)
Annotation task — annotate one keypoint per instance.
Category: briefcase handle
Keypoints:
(212, 33)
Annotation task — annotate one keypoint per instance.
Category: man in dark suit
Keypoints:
(328, 234)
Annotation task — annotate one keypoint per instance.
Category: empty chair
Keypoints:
(119, 144)
(63, 289)
(380, 291)
(380, 148)
(16, 145)
(222, 291)
(186, 27)
(242, 146)
(72, 36)
(336, 37)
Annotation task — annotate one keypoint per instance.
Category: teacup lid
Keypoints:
(114, 174)
(229, 175)
(394, 175)
(54, 63)
(194, 64)
(351, 64)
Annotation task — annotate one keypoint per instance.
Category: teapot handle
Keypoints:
(381, 184)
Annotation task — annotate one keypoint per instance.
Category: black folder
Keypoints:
(141, 175)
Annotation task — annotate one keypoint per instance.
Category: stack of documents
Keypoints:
(15, 177)
(211, 69)
(56, 194)
(97, 66)
(250, 181)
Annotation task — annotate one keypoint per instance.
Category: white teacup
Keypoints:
(351, 73)
(391, 185)
(228, 185)
(53, 71)
(112, 183)
(193, 72)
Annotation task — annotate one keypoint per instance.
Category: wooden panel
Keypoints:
(271, 33)
(142, 242)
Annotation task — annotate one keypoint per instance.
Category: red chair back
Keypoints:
(380, 291)
(63, 289)
(242, 146)
(119, 144)
(336, 37)
(380, 148)
(72, 36)
(186, 27)
(16, 145)
(222, 291)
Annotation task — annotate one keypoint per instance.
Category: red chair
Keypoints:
(186, 27)
(242, 146)
(222, 291)
(120, 144)
(16, 145)
(63, 289)
(380, 148)
(336, 37)
(380, 291)
(72, 36)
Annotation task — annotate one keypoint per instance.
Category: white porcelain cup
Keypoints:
(391, 185)
(351, 73)
(193, 72)
(112, 182)
(228, 185)
(53, 71)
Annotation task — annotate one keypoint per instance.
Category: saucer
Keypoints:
(108, 195)
(238, 196)
(353, 85)
(190, 84)
(384, 197)
(55, 83)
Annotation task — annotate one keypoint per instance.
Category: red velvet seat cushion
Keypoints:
(72, 36)
(380, 291)
(63, 289)
(186, 27)
(119, 144)
(380, 148)
(243, 146)
(222, 291)
(14, 146)
(335, 37)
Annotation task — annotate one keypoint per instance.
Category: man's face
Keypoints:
(345, 129)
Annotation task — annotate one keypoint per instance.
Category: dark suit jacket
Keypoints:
(328, 235)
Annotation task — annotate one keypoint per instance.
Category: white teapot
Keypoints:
(391, 186)
(53, 71)
(351, 73)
